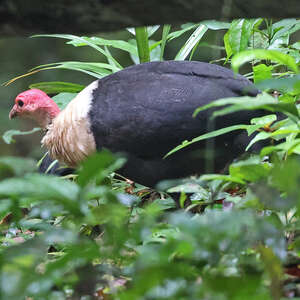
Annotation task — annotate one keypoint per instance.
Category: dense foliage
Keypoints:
(93, 234)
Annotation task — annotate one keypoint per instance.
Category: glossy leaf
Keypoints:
(191, 42)
(248, 55)
(54, 87)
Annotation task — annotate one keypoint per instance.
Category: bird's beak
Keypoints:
(13, 113)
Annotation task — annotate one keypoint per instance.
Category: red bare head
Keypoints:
(35, 104)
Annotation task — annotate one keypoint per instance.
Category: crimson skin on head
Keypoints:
(35, 104)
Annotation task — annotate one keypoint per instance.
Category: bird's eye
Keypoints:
(20, 103)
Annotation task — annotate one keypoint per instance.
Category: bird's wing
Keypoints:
(147, 110)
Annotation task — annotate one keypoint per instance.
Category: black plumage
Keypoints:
(144, 111)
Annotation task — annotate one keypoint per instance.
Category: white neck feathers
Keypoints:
(69, 138)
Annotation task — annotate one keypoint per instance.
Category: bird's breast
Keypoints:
(69, 138)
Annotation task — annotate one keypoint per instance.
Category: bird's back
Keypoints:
(146, 110)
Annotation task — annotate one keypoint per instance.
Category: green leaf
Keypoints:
(261, 101)
(262, 72)
(284, 85)
(216, 25)
(150, 30)
(166, 30)
(83, 40)
(252, 169)
(259, 137)
(141, 35)
(228, 49)
(191, 42)
(225, 178)
(207, 136)
(238, 35)
(118, 44)
(283, 28)
(63, 99)
(54, 87)
(40, 186)
(9, 134)
(16, 166)
(265, 120)
(273, 55)
(154, 51)
(97, 70)
(98, 165)
(178, 33)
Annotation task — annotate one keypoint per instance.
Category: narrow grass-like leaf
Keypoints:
(207, 136)
(141, 36)
(97, 70)
(53, 87)
(8, 135)
(178, 33)
(191, 42)
(216, 25)
(273, 55)
(261, 101)
(81, 40)
(166, 30)
(118, 44)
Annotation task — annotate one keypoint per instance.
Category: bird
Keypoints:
(143, 112)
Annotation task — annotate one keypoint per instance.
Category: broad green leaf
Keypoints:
(265, 120)
(63, 99)
(43, 186)
(225, 178)
(262, 72)
(191, 42)
(16, 166)
(54, 87)
(141, 36)
(283, 28)
(228, 49)
(252, 169)
(273, 55)
(284, 85)
(9, 134)
(259, 137)
(207, 136)
(287, 147)
(238, 35)
(98, 166)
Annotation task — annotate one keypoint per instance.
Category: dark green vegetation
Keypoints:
(92, 234)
